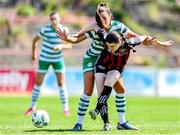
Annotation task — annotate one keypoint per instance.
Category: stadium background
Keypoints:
(153, 72)
(21, 19)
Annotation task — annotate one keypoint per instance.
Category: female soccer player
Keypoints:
(104, 20)
(109, 68)
(51, 55)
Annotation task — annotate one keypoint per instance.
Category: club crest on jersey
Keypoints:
(90, 64)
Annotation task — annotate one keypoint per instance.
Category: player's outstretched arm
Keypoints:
(72, 39)
(90, 27)
(168, 43)
(148, 40)
(62, 46)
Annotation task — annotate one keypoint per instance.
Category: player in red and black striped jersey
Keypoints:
(108, 70)
(109, 60)
(115, 60)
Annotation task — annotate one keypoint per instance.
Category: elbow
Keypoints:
(75, 41)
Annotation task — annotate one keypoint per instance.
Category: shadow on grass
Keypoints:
(57, 130)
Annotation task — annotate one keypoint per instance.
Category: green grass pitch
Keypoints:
(150, 115)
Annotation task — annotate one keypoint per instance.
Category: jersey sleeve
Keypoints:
(134, 41)
(124, 29)
(89, 34)
(41, 32)
(121, 28)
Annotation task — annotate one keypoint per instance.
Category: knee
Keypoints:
(111, 79)
(109, 82)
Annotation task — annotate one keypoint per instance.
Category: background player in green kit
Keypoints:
(50, 55)
(104, 20)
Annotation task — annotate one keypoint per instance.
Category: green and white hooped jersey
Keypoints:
(96, 48)
(48, 35)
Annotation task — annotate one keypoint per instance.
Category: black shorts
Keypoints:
(102, 69)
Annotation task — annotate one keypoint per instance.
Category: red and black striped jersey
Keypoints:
(114, 60)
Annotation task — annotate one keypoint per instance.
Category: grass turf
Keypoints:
(150, 115)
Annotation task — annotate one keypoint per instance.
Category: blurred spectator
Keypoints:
(77, 5)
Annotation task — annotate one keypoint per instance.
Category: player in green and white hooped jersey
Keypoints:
(103, 20)
(50, 55)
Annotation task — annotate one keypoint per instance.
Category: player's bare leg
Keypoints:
(35, 93)
(99, 78)
(84, 99)
(120, 100)
(63, 93)
(108, 81)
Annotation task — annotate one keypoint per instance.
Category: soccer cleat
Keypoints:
(107, 127)
(93, 114)
(77, 127)
(67, 113)
(126, 126)
(30, 111)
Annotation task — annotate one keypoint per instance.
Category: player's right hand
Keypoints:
(61, 34)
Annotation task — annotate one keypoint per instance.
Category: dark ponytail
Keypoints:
(98, 20)
(98, 11)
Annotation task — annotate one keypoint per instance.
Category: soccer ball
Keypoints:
(40, 118)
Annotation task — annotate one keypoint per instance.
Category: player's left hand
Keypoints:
(168, 43)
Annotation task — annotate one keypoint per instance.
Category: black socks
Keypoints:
(102, 106)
